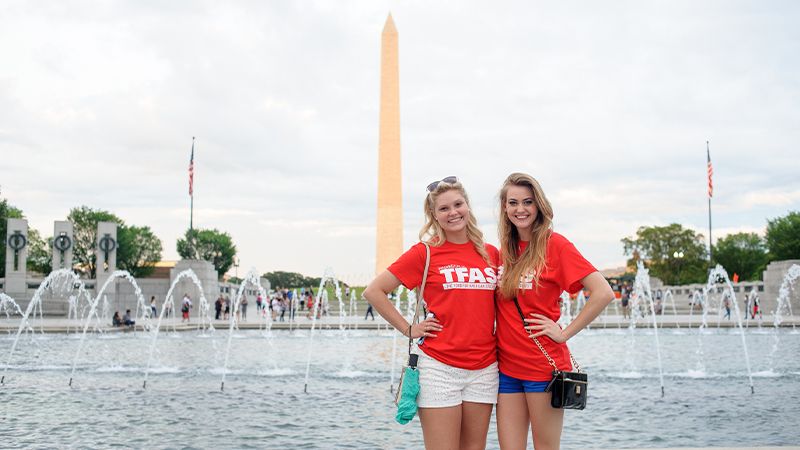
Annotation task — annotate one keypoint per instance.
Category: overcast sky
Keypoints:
(607, 104)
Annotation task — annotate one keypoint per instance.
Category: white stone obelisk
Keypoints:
(389, 243)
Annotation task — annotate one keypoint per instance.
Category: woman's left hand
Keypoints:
(541, 325)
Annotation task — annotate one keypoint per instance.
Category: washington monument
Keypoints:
(389, 244)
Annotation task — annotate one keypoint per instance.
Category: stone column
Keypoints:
(63, 243)
(389, 232)
(209, 280)
(16, 242)
(106, 254)
(773, 278)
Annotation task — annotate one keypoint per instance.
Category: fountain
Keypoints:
(668, 296)
(251, 278)
(188, 273)
(566, 310)
(642, 291)
(58, 280)
(784, 306)
(716, 275)
(355, 372)
(328, 276)
(138, 292)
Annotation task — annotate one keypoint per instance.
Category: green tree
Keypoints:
(209, 245)
(7, 211)
(138, 250)
(742, 253)
(291, 279)
(672, 253)
(783, 237)
(84, 228)
(40, 253)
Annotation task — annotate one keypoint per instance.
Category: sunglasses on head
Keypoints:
(448, 180)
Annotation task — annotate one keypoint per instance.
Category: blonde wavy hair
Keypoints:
(533, 258)
(432, 232)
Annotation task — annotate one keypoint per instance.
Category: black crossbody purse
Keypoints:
(568, 389)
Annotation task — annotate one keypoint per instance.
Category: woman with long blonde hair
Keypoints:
(457, 359)
(538, 264)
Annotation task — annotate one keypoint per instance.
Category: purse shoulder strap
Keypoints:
(421, 288)
(420, 291)
(539, 344)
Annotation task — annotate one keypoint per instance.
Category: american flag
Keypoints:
(191, 170)
(710, 173)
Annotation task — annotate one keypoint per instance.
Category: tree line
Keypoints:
(675, 254)
(291, 280)
(678, 255)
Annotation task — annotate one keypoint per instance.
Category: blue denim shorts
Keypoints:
(511, 385)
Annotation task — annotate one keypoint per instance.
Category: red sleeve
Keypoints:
(573, 267)
(409, 266)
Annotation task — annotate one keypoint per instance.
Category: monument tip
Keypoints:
(389, 27)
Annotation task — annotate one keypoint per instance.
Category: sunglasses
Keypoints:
(448, 180)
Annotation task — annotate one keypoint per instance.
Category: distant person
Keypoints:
(218, 307)
(726, 302)
(153, 309)
(756, 307)
(116, 320)
(276, 304)
(259, 302)
(309, 304)
(369, 312)
(227, 308)
(625, 300)
(126, 319)
(186, 306)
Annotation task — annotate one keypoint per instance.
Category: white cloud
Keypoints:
(608, 106)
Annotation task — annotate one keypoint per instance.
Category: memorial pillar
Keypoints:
(16, 242)
(62, 245)
(106, 253)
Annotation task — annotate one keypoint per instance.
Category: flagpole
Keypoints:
(710, 193)
(191, 191)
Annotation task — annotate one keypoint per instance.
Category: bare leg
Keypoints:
(474, 425)
(441, 427)
(546, 421)
(512, 421)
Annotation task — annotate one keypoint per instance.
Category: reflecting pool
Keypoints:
(707, 398)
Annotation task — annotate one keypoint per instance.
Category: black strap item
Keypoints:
(538, 344)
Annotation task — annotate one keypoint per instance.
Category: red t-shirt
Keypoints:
(517, 354)
(460, 292)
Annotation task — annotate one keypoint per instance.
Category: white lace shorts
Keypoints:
(441, 385)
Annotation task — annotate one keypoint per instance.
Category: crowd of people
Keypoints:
(280, 304)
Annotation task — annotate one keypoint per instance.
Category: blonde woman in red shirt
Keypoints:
(538, 265)
(457, 360)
